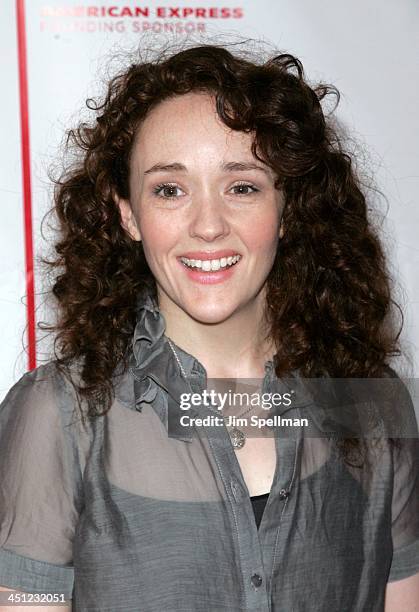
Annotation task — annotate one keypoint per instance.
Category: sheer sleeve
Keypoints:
(405, 504)
(40, 484)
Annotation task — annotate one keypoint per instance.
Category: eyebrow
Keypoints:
(227, 167)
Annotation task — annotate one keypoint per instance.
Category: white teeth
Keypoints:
(210, 265)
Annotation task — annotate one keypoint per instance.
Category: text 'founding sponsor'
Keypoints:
(120, 19)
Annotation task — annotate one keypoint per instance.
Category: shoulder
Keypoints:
(394, 398)
(43, 376)
(45, 392)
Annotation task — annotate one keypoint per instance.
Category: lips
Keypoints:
(204, 268)
(203, 255)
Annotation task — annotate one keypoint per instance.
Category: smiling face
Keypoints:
(198, 197)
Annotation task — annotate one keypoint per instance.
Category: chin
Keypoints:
(210, 315)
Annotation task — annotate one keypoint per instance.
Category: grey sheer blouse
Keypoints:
(120, 516)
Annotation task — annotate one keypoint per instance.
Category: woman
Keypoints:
(213, 231)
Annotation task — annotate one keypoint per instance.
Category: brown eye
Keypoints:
(166, 191)
(169, 191)
(244, 189)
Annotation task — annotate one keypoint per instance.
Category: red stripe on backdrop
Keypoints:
(26, 181)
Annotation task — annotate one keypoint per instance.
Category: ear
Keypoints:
(128, 221)
(281, 230)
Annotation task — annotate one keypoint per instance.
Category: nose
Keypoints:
(208, 219)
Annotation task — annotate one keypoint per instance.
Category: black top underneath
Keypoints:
(258, 504)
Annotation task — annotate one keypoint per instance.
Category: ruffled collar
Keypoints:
(157, 377)
(148, 335)
(159, 382)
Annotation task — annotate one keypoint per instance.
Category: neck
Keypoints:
(235, 348)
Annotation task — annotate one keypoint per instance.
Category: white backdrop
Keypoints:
(370, 51)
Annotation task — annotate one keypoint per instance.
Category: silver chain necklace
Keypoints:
(237, 436)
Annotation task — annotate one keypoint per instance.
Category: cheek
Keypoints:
(262, 236)
(158, 238)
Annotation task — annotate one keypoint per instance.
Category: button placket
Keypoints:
(245, 532)
(289, 454)
(278, 514)
(248, 545)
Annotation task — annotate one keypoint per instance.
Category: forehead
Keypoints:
(187, 126)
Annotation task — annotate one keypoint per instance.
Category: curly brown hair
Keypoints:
(329, 294)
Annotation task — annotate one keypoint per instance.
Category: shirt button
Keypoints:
(283, 494)
(256, 580)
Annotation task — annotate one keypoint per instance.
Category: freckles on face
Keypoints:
(197, 188)
(187, 130)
